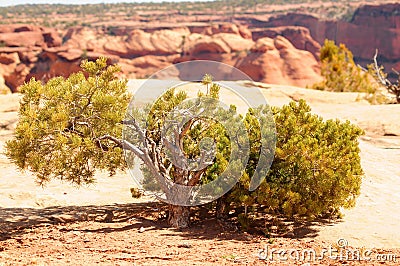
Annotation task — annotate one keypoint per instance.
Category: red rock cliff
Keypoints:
(372, 27)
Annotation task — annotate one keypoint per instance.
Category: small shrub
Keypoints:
(341, 74)
(316, 169)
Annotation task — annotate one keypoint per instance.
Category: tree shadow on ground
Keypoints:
(13, 221)
(150, 216)
(266, 226)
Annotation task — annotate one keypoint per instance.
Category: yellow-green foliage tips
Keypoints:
(61, 122)
(316, 168)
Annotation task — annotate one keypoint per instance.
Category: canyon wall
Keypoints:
(371, 27)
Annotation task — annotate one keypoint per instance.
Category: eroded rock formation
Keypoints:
(43, 53)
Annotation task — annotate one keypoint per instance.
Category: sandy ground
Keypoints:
(69, 235)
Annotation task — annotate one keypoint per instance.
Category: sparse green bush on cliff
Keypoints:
(340, 72)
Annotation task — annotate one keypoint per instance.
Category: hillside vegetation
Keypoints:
(64, 16)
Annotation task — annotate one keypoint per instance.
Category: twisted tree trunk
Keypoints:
(178, 216)
(222, 208)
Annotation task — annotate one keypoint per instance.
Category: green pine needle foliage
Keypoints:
(60, 123)
(316, 169)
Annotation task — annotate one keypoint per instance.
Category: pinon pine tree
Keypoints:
(70, 127)
(174, 139)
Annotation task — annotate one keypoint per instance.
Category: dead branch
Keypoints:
(390, 87)
(384, 81)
